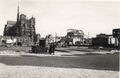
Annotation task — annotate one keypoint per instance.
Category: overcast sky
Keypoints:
(56, 16)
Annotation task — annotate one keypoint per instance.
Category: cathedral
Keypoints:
(22, 27)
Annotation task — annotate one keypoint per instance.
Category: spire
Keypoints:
(18, 13)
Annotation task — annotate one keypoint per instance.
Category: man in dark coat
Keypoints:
(52, 48)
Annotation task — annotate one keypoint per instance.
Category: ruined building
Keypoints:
(75, 37)
(22, 27)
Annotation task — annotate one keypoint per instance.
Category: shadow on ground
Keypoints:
(99, 62)
(62, 51)
(76, 49)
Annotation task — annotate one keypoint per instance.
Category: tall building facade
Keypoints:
(23, 27)
(75, 37)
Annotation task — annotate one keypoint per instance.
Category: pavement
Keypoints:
(52, 72)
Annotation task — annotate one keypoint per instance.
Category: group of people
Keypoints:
(52, 49)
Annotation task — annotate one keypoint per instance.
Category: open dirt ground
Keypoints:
(66, 63)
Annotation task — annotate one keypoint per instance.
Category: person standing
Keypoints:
(52, 48)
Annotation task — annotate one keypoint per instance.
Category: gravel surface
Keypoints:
(52, 72)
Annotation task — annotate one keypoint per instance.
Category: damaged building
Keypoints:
(21, 29)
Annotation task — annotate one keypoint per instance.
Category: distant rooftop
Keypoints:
(11, 23)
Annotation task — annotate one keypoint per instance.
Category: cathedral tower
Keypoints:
(18, 13)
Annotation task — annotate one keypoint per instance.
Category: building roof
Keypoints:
(11, 23)
(75, 31)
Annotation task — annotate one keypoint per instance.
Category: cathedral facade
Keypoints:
(23, 27)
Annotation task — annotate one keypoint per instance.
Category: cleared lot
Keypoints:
(99, 62)
(64, 66)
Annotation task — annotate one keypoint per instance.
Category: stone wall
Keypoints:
(15, 41)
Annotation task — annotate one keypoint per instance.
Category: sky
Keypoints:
(56, 16)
